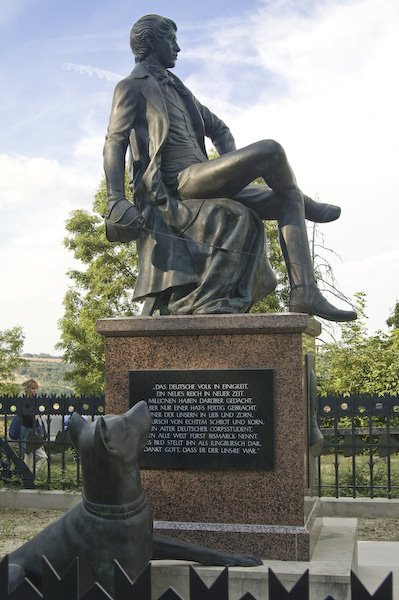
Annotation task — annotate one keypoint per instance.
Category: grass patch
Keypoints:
(358, 476)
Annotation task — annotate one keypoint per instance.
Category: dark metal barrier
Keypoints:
(361, 450)
(360, 455)
(43, 455)
(66, 588)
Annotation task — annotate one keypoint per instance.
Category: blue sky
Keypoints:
(318, 76)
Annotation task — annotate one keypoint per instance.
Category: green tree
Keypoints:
(393, 319)
(11, 344)
(103, 287)
(48, 372)
(360, 364)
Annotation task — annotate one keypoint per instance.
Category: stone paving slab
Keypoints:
(375, 561)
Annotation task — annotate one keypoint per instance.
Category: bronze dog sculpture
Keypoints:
(113, 520)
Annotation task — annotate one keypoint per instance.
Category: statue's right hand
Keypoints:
(124, 222)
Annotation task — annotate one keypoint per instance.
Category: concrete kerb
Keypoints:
(38, 499)
(365, 508)
(360, 508)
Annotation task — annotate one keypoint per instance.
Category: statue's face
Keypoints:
(166, 48)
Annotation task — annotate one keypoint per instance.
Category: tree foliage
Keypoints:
(393, 319)
(48, 372)
(101, 287)
(11, 344)
(360, 364)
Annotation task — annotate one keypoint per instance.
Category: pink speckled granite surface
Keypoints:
(223, 342)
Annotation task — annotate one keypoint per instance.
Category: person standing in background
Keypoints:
(32, 424)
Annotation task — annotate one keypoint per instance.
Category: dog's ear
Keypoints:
(115, 434)
(138, 413)
(102, 435)
(138, 417)
(75, 426)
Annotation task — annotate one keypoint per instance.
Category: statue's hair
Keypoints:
(145, 30)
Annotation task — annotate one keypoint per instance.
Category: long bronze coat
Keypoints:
(139, 121)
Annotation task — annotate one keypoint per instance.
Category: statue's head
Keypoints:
(155, 35)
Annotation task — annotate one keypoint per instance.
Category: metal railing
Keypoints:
(42, 456)
(361, 450)
(360, 455)
(66, 587)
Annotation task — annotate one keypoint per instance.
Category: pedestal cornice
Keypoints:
(237, 324)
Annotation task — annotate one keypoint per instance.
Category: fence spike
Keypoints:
(4, 577)
(62, 588)
(140, 589)
(96, 592)
(25, 591)
(170, 594)
(219, 590)
(300, 590)
(248, 596)
(359, 592)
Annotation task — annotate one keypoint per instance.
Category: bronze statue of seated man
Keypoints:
(201, 246)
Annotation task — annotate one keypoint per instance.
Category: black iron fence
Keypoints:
(41, 454)
(66, 587)
(361, 450)
(360, 455)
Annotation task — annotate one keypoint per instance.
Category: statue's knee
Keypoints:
(272, 150)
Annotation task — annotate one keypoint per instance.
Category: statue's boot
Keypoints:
(305, 296)
(319, 212)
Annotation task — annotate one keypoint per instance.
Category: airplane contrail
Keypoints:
(89, 70)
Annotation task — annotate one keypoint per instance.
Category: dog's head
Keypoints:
(120, 437)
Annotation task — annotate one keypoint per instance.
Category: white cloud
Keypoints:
(334, 111)
(377, 276)
(88, 149)
(37, 196)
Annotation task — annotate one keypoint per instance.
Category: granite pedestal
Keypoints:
(259, 512)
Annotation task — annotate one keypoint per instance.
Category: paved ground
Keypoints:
(376, 560)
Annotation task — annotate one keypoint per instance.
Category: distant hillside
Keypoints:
(48, 371)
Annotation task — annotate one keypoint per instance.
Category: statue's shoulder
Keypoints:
(136, 77)
(130, 86)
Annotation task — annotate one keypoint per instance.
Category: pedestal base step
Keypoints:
(334, 557)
